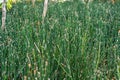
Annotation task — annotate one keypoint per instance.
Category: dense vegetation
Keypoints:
(76, 42)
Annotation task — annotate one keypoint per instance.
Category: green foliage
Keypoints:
(9, 4)
(76, 42)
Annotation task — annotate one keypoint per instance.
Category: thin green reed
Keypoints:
(77, 42)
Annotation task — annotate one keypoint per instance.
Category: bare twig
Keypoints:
(33, 3)
(44, 10)
(3, 14)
